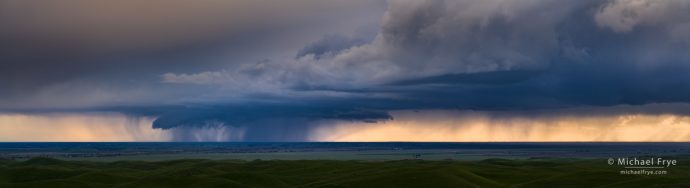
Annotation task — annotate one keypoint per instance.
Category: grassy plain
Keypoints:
(538, 172)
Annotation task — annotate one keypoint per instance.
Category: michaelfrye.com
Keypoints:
(643, 165)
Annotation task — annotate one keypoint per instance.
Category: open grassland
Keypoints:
(46, 172)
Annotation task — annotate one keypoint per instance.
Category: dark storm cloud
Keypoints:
(531, 55)
(256, 112)
(259, 121)
(507, 55)
(516, 56)
(560, 88)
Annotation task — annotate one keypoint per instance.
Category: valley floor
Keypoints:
(534, 172)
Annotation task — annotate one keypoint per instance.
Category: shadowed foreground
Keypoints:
(46, 172)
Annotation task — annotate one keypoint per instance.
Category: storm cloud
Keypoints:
(293, 65)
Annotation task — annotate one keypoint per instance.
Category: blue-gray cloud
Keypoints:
(330, 45)
(75, 50)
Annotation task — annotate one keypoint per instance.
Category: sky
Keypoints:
(355, 70)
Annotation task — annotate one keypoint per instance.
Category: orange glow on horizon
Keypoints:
(425, 126)
(97, 127)
(465, 126)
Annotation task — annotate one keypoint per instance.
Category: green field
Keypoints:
(46, 172)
